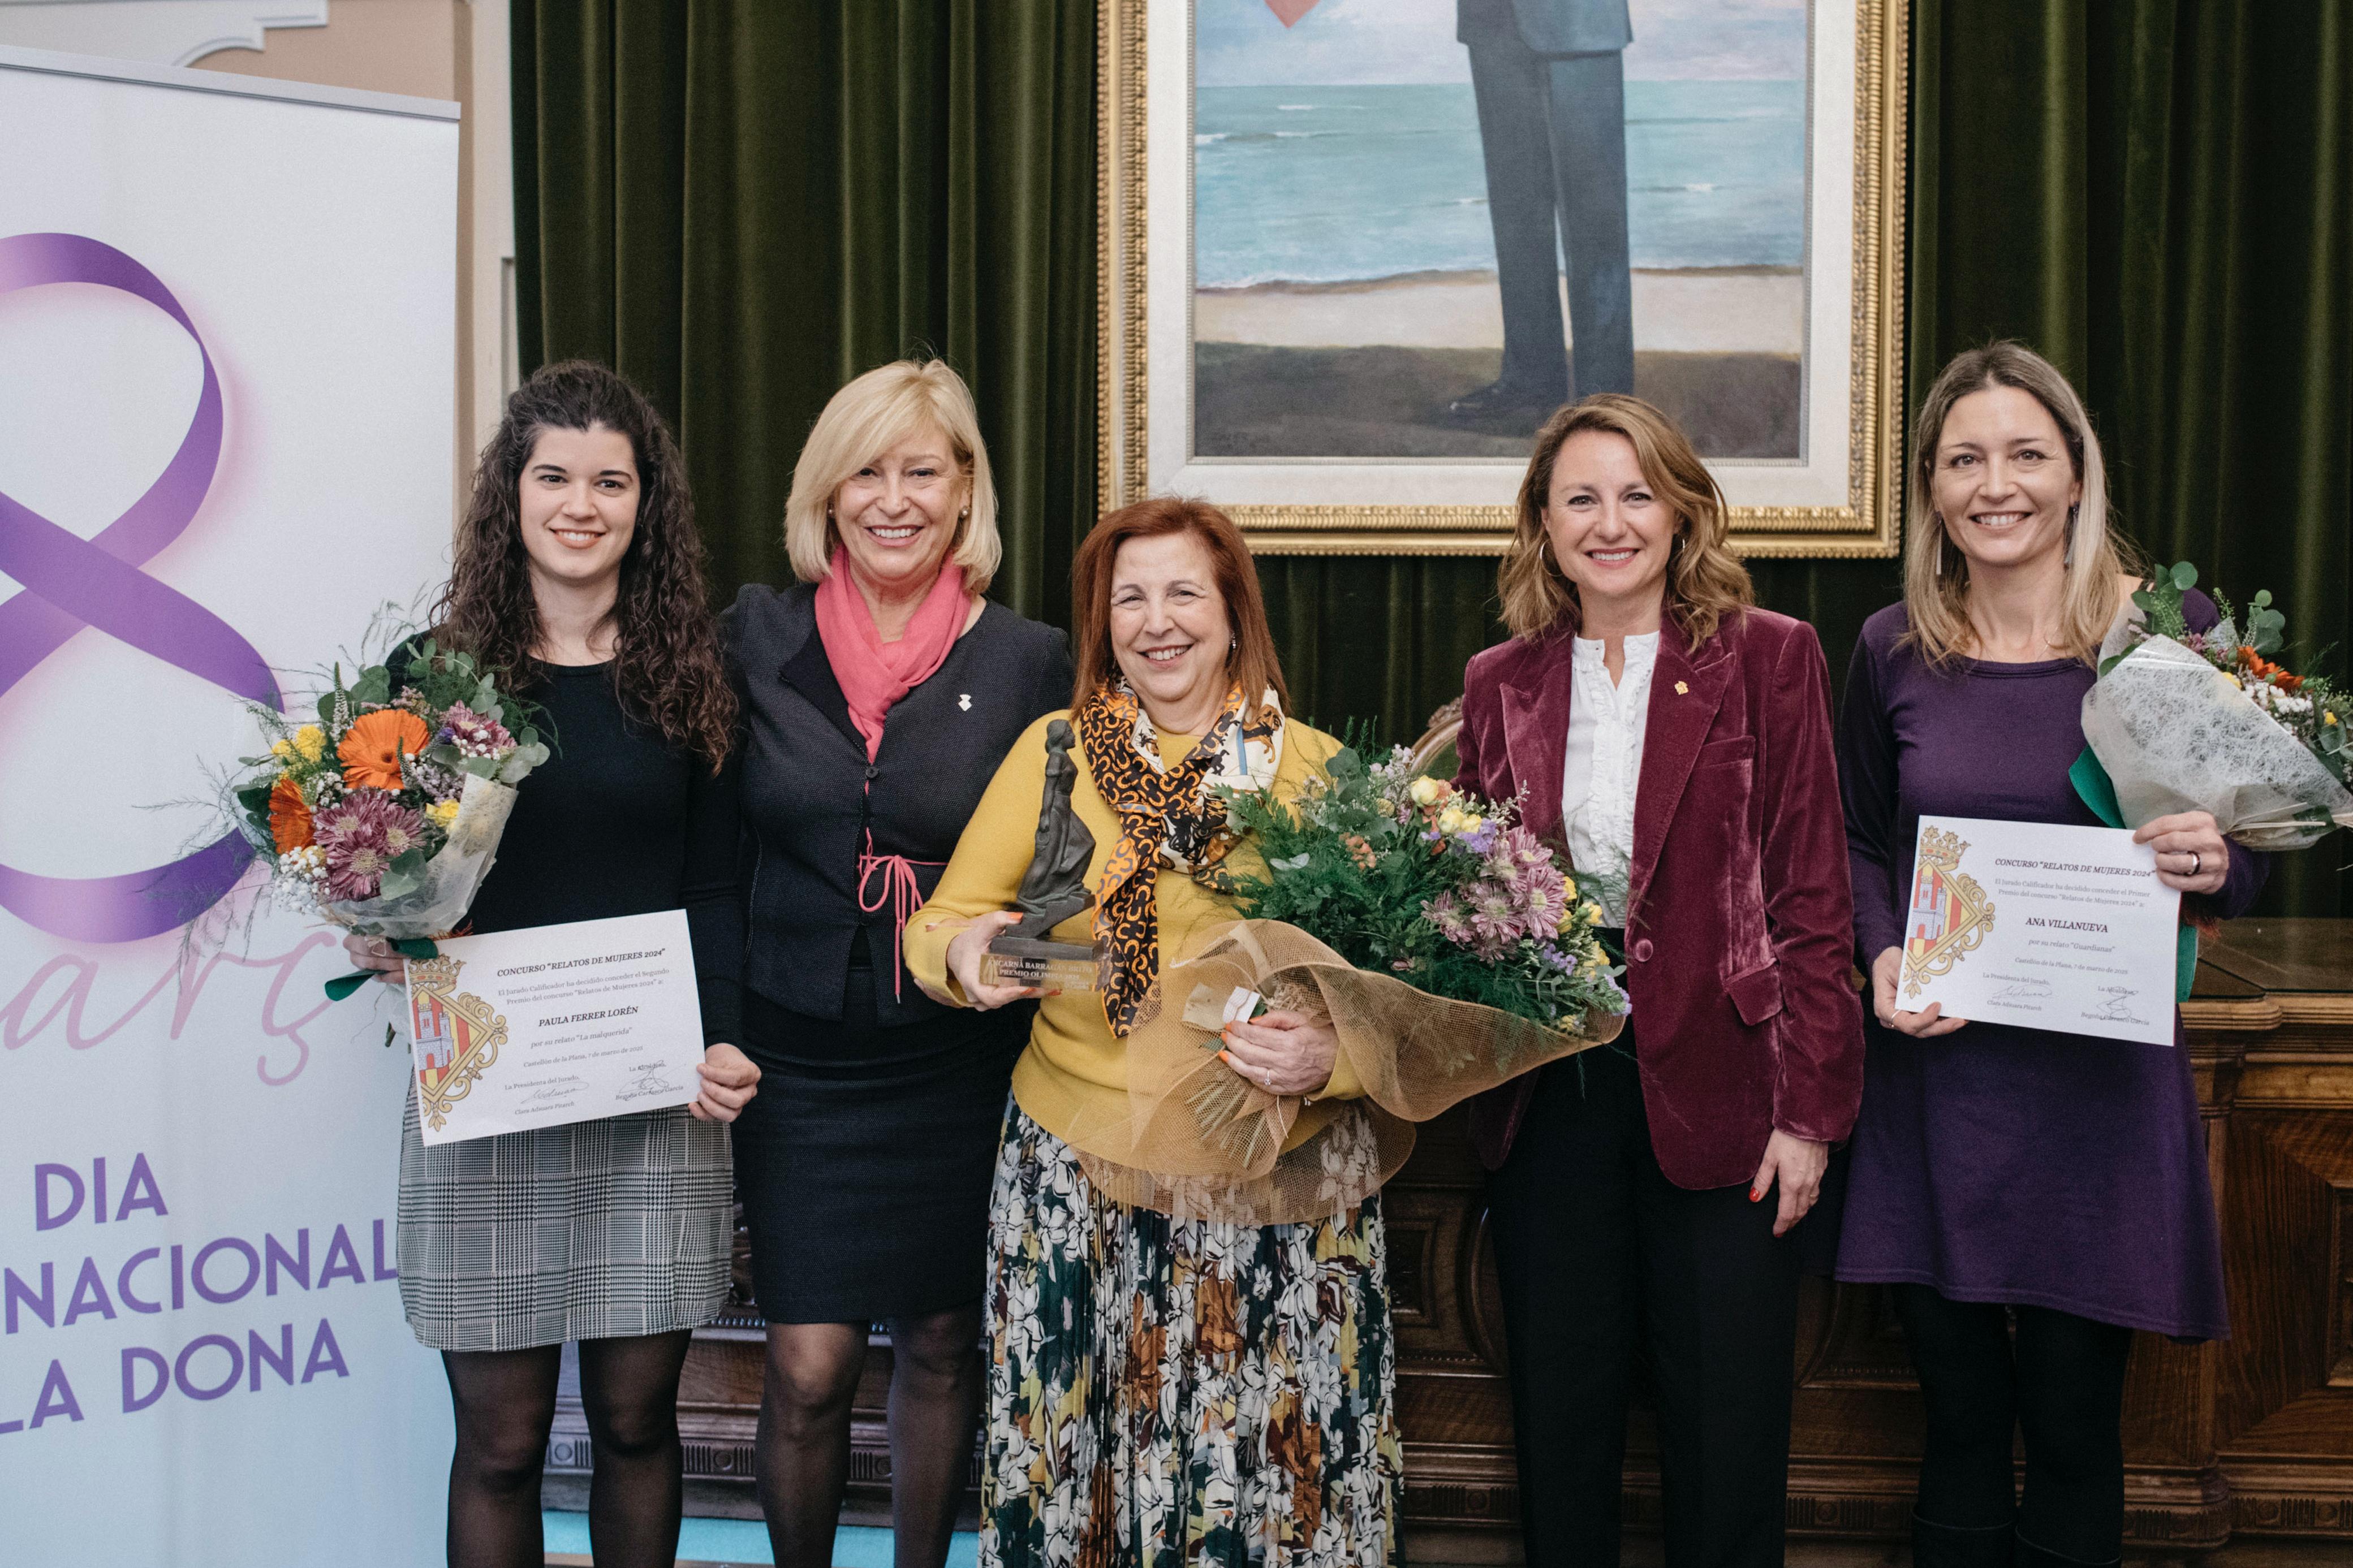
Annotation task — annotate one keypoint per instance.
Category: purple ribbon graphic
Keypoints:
(70, 582)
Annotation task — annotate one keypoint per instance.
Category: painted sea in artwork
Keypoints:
(1329, 184)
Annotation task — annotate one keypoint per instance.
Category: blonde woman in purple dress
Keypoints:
(2031, 1197)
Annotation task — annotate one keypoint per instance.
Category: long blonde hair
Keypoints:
(866, 419)
(1706, 582)
(1935, 573)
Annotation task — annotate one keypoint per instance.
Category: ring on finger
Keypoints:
(2196, 862)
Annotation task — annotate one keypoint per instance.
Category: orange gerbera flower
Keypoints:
(374, 745)
(290, 819)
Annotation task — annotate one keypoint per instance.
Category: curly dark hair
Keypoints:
(666, 659)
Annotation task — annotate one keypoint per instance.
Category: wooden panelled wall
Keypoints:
(2249, 1437)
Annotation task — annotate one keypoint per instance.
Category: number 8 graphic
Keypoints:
(70, 582)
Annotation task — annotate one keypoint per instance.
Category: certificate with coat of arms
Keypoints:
(554, 1024)
(2040, 924)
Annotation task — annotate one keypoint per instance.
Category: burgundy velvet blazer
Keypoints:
(1740, 922)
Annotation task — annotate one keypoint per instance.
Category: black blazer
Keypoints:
(806, 803)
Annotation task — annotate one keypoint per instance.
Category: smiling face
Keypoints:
(897, 516)
(2003, 483)
(1169, 629)
(1610, 532)
(579, 506)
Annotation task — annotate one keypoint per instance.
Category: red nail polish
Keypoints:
(1756, 1192)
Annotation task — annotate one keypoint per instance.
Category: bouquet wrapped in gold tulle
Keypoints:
(1449, 947)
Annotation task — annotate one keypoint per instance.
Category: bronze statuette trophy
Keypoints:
(1052, 890)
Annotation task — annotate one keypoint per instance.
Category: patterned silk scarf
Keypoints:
(1166, 814)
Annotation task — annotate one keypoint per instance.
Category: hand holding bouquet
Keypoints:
(385, 814)
(2186, 720)
(1448, 948)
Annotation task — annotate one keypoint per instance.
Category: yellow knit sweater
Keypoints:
(1073, 1080)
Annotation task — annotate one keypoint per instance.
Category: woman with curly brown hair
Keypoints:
(579, 572)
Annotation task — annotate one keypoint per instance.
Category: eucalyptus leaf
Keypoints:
(2262, 599)
(327, 712)
(2185, 575)
(397, 884)
(481, 767)
(485, 698)
(2144, 600)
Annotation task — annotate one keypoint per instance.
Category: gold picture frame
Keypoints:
(1839, 499)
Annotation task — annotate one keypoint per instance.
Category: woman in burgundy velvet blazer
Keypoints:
(1678, 740)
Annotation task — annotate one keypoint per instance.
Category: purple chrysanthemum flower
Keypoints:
(476, 734)
(362, 836)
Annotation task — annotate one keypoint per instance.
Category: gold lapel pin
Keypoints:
(1681, 689)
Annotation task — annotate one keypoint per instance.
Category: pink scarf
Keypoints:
(875, 674)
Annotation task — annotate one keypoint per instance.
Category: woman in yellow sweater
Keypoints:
(1163, 1390)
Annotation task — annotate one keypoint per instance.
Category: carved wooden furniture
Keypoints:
(2249, 1437)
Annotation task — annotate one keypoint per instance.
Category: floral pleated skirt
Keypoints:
(1166, 1393)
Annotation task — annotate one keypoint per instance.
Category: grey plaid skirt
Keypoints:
(595, 1230)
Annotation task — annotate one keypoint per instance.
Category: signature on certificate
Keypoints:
(648, 1079)
(555, 1091)
(2117, 1008)
(2027, 990)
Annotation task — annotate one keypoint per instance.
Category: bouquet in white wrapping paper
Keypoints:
(2186, 720)
(385, 814)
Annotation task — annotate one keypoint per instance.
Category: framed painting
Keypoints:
(1355, 251)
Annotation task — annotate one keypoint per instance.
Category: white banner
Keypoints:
(226, 368)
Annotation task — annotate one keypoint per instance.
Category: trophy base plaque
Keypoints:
(1048, 965)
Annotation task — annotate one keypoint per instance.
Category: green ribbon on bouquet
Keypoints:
(342, 985)
(2098, 791)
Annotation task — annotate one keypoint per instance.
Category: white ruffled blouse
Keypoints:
(1604, 767)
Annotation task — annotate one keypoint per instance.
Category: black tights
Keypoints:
(2061, 1383)
(505, 1403)
(804, 1452)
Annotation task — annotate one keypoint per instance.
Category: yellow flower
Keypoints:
(1472, 822)
(443, 813)
(1568, 889)
(282, 751)
(1450, 821)
(312, 741)
(2327, 717)
(2234, 680)
(1426, 790)
(1592, 914)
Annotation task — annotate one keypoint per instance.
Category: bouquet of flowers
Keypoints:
(1407, 876)
(385, 814)
(1448, 946)
(2186, 720)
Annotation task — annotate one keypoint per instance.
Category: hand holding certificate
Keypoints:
(554, 1024)
(2043, 925)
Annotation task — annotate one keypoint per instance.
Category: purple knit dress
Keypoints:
(1996, 1162)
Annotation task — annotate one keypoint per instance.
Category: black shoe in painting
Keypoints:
(1502, 403)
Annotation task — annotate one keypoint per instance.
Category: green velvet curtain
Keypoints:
(743, 205)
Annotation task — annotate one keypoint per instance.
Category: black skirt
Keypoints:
(864, 1163)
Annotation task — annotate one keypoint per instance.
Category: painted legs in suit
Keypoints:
(1599, 1254)
(1553, 129)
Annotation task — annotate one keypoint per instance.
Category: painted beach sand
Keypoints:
(1343, 267)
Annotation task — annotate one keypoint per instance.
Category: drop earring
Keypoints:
(2068, 557)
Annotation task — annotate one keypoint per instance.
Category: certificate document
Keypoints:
(554, 1024)
(2035, 923)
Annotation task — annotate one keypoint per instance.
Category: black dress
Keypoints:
(864, 1163)
(620, 1225)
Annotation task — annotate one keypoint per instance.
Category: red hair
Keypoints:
(1251, 663)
